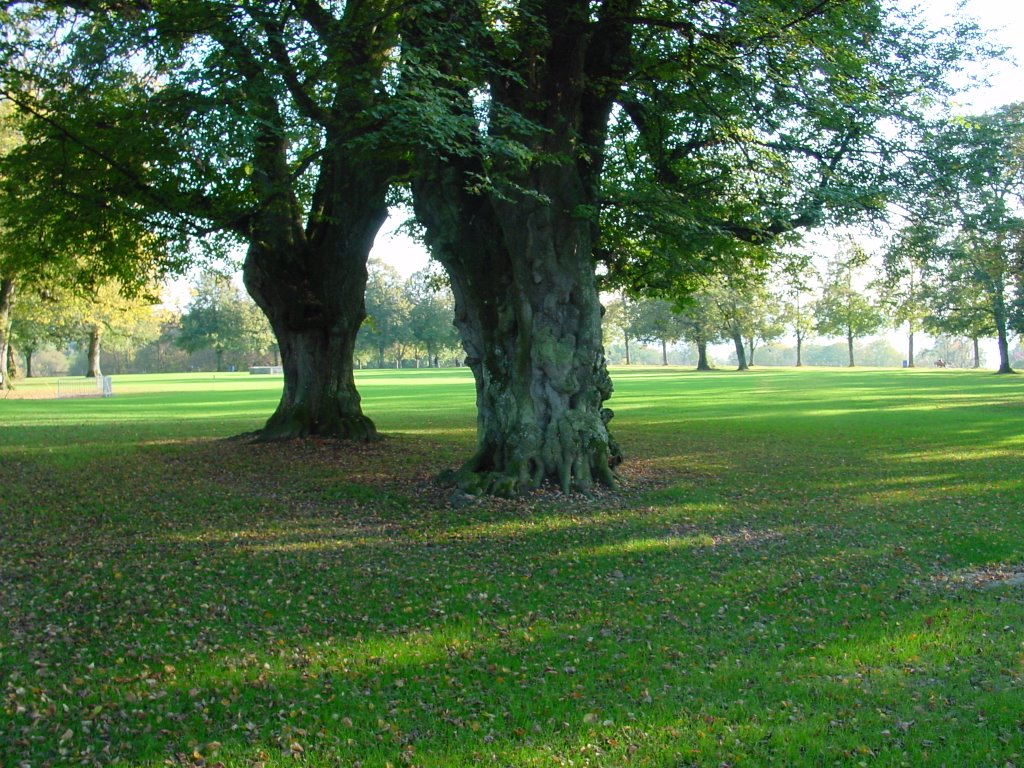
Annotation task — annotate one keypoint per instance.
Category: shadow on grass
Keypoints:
(703, 641)
(780, 599)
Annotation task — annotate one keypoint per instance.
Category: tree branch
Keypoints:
(304, 100)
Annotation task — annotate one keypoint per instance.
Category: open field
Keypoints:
(805, 567)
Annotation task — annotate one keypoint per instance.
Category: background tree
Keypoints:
(747, 313)
(958, 303)
(655, 321)
(903, 290)
(106, 313)
(431, 314)
(618, 322)
(970, 183)
(219, 318)
(32, 326)
(843, 309)
(386, 329)
(8, 267)
(701, 323)
(953, 351)
(978, 167)
(163, 354)
(795, 277)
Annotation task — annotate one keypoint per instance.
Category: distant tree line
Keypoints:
(56, 330)
(938, 292)
(409, 321)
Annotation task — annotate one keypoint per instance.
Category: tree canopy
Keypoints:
(666, 141)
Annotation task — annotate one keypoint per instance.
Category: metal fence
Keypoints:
(100, 386)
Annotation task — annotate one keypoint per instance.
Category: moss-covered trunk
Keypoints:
(526, 306)
(520, 252)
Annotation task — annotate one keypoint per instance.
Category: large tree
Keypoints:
(681, 128)
(972, 172)
(257, 121)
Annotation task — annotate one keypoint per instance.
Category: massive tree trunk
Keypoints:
(6, 302)
(315, 306)
(977, 351)
(309, 281)
(799, 350)
(849, 348)
(741, 352)
(910, 348)
(664, 352)
(702, 355)
(95, 337)
(625, 338)
(520, 253)
(526, 306)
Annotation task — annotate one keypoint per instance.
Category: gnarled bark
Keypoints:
(526, 306)
(311, 290)
(520, 253)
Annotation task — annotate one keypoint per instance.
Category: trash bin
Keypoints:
(906, 363)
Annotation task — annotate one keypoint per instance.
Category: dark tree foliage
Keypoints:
(258, 123)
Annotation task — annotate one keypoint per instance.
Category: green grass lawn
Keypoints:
(804, 567)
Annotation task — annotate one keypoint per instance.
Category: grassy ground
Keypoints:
(804, 568)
